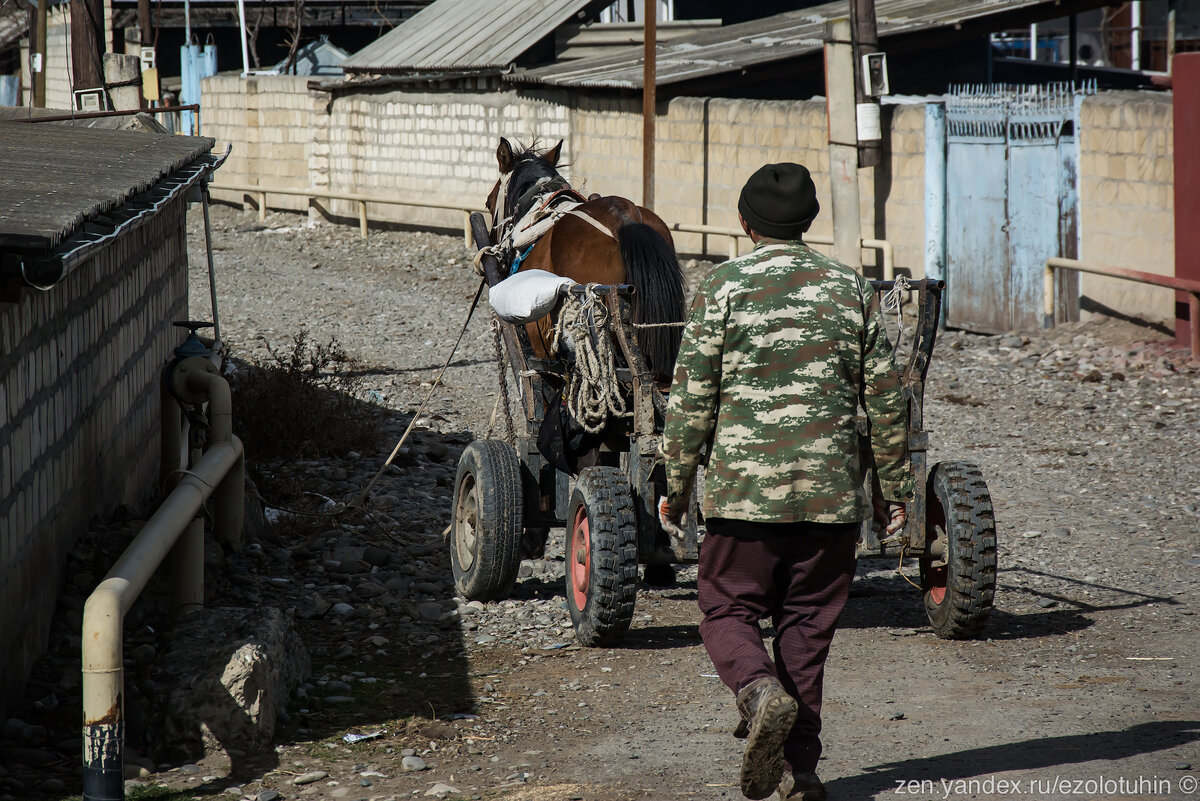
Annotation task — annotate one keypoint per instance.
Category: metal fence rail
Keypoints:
(1124, 273)
(883, 246)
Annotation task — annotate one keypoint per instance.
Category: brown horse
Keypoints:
(606, 240)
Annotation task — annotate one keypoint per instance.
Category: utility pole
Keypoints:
(87, 44)
(843, 143)
(145, 30)
(39, 61)
(864, 33)
(649, 40)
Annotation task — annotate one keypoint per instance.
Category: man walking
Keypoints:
(782, 349)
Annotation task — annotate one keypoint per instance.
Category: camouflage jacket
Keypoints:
(781, 349)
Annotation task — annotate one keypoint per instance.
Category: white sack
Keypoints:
(526, 296)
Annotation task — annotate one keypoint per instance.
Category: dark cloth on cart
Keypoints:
(798, 576)
(562, 439)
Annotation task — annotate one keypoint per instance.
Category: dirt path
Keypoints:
(1084, 682)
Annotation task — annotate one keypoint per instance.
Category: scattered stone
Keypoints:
(268, 795)
(342, 609)
(310, 777)
(411, 763)
(441, 790)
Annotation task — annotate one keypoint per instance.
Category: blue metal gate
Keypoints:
(1011, 201)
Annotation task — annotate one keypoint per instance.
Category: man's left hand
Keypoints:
(671, 521)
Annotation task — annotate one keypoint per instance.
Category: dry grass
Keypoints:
(301, 404)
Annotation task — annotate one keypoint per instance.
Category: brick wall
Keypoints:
(1127, 204)
(268, 120)
(441, 147)
(79, 415)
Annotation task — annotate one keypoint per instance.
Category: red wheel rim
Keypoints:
(580, 558)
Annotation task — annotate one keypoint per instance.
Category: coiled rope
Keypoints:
(593, 393)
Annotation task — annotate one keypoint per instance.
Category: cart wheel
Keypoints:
(959, 586)
(485, 530)
(602, 563)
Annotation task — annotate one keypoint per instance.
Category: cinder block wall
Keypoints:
(441, 147)
(79, 416)
(426, 146)
(1127, 202)
(269, 121)
(706, 148)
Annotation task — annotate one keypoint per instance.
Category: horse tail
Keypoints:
(653, 268)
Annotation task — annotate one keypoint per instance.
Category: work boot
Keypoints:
(769, 713)
(801, 787)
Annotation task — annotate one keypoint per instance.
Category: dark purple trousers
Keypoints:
(796, 574)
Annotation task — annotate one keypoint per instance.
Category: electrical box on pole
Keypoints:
(865, 37)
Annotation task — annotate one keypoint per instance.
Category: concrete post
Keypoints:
(843, 143)
(123, 74)
(935, 191)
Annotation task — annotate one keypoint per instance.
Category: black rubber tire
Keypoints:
(602, 588)
(961, 506)
(486, 523)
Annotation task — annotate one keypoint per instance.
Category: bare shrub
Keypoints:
(302, 404)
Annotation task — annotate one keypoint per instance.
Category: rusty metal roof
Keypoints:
(781, 37)
(464, 35)
(55, 178)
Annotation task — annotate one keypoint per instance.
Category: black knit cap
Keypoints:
(780, 201)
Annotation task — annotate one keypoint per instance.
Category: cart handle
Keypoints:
(624, 290)
(935, 285)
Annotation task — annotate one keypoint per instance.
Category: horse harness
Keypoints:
(537, 211)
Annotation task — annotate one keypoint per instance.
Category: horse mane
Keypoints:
(528, 168)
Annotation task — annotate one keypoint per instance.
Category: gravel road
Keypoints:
(1083, 682)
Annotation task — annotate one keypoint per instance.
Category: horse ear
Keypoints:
(504, 155)
(551, 155)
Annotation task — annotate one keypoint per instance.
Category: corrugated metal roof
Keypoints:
(464, 35)
(771, 39)
(54, 178)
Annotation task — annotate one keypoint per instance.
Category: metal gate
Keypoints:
(1011, 200)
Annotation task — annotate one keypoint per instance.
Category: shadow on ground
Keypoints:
(1025, 756)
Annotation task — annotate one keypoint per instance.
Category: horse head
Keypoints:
(519, 169)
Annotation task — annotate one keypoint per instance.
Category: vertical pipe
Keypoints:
(103, 697)
(733, 247)
(229, 509)
(1170, 34)
(1033, 39)
(212, 272)
(1194, 323)
(185, 566)
(649, 79)
(935, 195)
(1048, 304)
(1135, 34)
(242, 28)
(1073, 45)
(362, 218)
(468, 239)
(170, 435)
(935, 191)
(262, 206)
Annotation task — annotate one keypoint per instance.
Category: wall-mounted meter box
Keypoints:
(875, 75)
